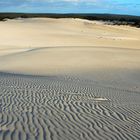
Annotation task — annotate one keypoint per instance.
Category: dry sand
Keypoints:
(69, 79)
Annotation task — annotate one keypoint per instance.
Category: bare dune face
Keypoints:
(69, 79)
(28, 33)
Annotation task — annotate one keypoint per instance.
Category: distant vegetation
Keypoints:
(108, 18)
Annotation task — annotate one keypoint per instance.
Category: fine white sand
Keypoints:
(69, 79)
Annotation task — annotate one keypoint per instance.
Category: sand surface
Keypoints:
(69, 79)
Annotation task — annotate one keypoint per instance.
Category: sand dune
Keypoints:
(69, 79)
(65, 32)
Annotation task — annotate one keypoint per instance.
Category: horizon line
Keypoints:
(80, 13)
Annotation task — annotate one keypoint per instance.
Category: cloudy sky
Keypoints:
(131, 7)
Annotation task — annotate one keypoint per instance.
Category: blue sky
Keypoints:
(131, 7)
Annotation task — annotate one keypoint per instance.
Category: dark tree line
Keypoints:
(109, 18)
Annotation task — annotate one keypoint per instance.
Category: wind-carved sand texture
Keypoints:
(69, 79)
(35, 107)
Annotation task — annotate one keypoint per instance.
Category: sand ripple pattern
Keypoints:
(66, 108)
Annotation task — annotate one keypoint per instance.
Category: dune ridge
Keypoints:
(45, 32)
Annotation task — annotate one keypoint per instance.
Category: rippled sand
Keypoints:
(56, 108)
(69, 79)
